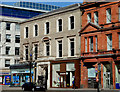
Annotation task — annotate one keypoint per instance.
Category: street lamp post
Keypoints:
(30, 66)
(99, 69)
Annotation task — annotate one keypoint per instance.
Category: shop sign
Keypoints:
(21, 71)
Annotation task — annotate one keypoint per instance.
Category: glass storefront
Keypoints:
(63, 79)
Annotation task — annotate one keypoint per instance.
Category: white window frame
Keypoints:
(69, 49)
(17, 27)
(34, 50)
(85, 44)
(34, 31)
(89, 17)
(91, 45)
(109, 42)
(45, 29)
(57, 49)
(45, 49)
(108, 15)
(7, 62)
(96, 17)
(96, 43)
(58, 25)
(69, 23)
(25, 32)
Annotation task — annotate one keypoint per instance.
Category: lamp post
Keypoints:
(30, 66)
(99, 69)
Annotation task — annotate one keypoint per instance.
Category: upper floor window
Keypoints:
(8, 38)
(119, 41)
(26, 32)
(7, 50)
(59, 48)
(36, 51)
(7, 26)
(71, 22)
(47, 50)
(17, 27)
(26, 52)
(91, 44)
(96, 43)
(89, 17)
(47, 28)
(17, 50)
(119, 12)
(16, 61)
(17, 38)
(7, 62)
(96, 17)
(72, 47)
(35, 30)
(59, 25)
(109, 42)
(108, 15)
(85, 44)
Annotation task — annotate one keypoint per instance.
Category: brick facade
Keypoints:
(108, 59)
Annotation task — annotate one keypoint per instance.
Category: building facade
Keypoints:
(52, 40)
(10, 16)
(100, 44)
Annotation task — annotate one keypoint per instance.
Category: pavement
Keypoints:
(5, 88)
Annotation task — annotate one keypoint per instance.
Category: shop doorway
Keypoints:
(63, 81)
(107, 79)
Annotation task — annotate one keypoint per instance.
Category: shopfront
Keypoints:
(64, 74)
(19, 75)
(5, 77)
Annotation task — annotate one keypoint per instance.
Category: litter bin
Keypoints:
(117, 85)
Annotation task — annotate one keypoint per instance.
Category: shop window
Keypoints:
(8, 38)
(96, 18)
(7, 63)
(17, 50)
(91, 44)
(17, 38)
(59, 25)
(109, 42)
(55, 75)
(89, 17)
(108, 15)
(7, 26)
(36, 51)
(47, 28)
(7, 50)
(70, 71)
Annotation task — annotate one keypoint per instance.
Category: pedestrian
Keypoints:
(73, 82)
